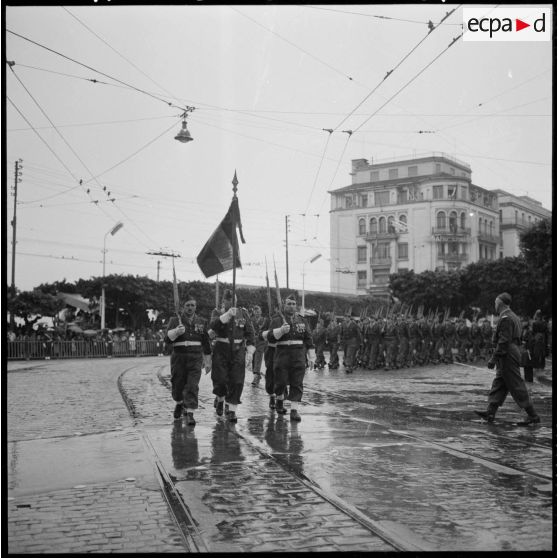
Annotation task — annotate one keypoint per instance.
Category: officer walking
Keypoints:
(191, 349)
(234, 337)
(506, 358)
(293, 340)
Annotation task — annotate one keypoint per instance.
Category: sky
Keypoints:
(94, 96)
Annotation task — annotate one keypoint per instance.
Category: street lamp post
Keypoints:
(112, 232)
(311, 260)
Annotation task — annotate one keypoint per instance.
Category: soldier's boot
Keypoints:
(532, 417)
(490, 414)
(219, 407)
(272, 401)
(190, 421)
(280, 408)
(256, 380)
(231, 416)
(178, 411)
(295, 416)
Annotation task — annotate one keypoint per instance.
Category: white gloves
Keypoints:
(211, 334)
(311, 357)
(265, 334)
(226, 317)
(278, 332)
(250, 350)
(207, 363)
(176, 332)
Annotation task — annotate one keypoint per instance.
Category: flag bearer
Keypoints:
(293, 340)
(234, 337)
(191, 349)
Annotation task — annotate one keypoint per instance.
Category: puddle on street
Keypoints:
(57, 463)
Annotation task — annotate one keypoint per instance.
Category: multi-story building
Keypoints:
(412, 213)
(517, 213)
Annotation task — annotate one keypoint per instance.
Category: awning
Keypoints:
(75, 300)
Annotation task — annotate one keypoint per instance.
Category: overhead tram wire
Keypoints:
(454, 40)
(133, 87)
(71, 149)
(388, 74)
(383, 17)
(293, 44)
(117, 52)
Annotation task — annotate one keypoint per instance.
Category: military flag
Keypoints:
(220, 252)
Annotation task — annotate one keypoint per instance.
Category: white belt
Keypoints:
(225, 340)
(273, 345)
(187, 344)
(292, 342)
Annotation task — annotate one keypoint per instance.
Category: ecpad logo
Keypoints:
(507, 24)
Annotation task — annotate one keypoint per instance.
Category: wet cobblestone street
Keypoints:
(381, 461)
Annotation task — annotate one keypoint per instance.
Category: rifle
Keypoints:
(268, 291)
(175, 294)
(278, 293)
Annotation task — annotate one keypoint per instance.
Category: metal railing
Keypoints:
(30, 350)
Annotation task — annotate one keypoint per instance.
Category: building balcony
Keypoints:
(453, 257)
(490, 238)
(513, 224)
(383, 262)
(372, 236)
(444, 233)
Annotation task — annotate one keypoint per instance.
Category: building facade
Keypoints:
(517, 214)
(413, 213)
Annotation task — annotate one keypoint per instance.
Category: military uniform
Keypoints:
(319, 338)
(233, 334)
(403, 336)
(390, 342)
(507, 359)
(351, 338)
(449, 341)
(476, 341)
(186, 361)
(413, 358)
(332, 339)
(290, 358)
(374, 342)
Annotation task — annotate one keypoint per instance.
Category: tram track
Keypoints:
(445, 447)
(186, 523)
(398, 539)
(179, 511)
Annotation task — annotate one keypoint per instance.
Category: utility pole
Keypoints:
(17, 178)
(165, 255)
(287, 247)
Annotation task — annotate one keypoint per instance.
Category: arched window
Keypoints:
(523, 217)
(491, 228)
(462, 220)
(441, 220)
(403, 220)
(361, 227)
(391, 224)
(529, 220)
(453, 221)
(485, 226)
(383, 226)
(373, 225)
(480, 225)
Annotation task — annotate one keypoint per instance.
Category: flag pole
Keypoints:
(234, 244)
(234, 250)
(217, 292)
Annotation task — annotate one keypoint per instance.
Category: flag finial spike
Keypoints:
(235, 183)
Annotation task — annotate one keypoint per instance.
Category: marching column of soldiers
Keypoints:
(401, 341)
(234, 340)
